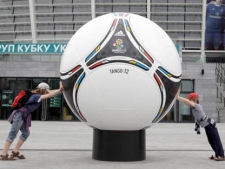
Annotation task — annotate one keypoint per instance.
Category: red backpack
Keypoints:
(21, 99)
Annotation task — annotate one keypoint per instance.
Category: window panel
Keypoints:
(187, 86)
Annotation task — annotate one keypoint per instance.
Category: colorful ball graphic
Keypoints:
(121, 71)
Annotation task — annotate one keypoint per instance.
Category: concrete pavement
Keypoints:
(68, 145)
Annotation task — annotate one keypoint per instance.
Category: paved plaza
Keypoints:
(68, 145)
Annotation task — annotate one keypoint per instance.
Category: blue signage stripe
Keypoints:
(32, 48)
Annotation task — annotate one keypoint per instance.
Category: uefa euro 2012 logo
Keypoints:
(119, 45)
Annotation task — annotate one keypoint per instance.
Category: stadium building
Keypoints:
(34, 34)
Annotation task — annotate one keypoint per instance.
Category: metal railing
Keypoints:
(220, 86)
(220, 75)
(218, 112)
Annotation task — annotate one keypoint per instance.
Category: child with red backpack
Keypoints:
(20, 118)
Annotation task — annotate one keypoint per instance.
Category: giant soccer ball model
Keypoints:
(120, 71)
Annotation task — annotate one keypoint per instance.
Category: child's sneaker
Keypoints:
(219, 158)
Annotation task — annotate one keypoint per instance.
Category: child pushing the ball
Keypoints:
(204, 121)
(21, 119)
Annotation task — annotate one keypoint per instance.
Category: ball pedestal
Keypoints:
(118, 145)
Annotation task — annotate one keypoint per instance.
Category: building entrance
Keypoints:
(51, 109)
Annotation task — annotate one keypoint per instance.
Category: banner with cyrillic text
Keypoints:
(36, 48)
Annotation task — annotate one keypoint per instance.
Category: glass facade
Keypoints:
(56, 21)
(56, 108)
(51, 109)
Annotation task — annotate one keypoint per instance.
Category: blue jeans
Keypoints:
(18, 124)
